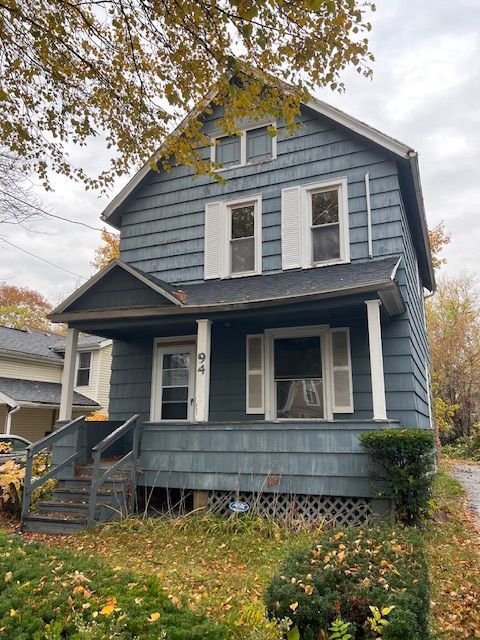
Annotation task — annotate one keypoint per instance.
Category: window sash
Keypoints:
(244, 158)
(84, 365)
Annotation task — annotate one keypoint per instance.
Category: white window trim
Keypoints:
(77, 368)
(243, 145)
(164, 345)
(323, 331)
(226, 232)
(306, 204)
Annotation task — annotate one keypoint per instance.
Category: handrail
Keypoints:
(98, 480)
(115, 435)
(36, 447)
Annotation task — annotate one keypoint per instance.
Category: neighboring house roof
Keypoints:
(15, 392)
(376, 275)
(405, 154)
(39, 345)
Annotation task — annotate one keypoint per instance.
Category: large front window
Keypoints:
(298, 377)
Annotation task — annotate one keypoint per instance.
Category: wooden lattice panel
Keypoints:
(283, 506)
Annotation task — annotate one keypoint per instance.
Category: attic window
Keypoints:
(252, 144)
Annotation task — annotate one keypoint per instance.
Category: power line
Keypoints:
(77, 275)
(47, 213)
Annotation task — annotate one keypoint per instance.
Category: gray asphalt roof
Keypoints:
(287, 284)
(39, 392)
(38, 343)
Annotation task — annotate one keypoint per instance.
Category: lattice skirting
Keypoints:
(283, 506)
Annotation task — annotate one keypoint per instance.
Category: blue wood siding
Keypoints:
(307, 457)
(162, 233)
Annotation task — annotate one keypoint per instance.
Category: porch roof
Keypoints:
(103, 296)
(16, 392)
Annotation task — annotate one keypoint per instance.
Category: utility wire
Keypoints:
(77, 275)
(47, 213)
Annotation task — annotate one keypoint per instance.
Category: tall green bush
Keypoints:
(346, 573)
(404, 462)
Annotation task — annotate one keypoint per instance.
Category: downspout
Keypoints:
(8, 421)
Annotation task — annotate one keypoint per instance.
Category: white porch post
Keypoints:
(202, 371)
(68, 376)
(376, 359)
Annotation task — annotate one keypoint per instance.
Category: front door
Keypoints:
(175, 376)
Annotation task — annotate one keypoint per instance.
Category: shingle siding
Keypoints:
(162, 233)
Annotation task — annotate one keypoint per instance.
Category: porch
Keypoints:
(260, 385)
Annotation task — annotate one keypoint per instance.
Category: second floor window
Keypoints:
(315, 226)
(233, 238)
(325, 225)
(83, 368)
(242, 238)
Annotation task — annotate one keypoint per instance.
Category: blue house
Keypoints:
(262, 323)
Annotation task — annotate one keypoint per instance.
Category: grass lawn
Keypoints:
(454, 557)
(216, 567)
(221, 568)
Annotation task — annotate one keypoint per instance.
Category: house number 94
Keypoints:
(201, 358)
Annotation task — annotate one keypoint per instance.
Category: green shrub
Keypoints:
(465, 448)
(48, 594)
(346, 573)
(404, 461)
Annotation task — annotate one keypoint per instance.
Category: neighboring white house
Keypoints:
(31, 367)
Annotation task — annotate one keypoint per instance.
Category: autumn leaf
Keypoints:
(153, 617)
(8, 576)
(294, 606)
(109, 608)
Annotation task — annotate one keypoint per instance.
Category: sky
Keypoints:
(425, 92)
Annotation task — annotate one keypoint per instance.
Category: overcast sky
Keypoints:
(425, 92)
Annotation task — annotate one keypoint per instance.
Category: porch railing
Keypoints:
(131, 456)
(41, 445)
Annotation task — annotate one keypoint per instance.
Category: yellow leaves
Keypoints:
(153, 617)
(109, 608)
(13, 613)
(294, 606)
(8, 576)
(308, 589)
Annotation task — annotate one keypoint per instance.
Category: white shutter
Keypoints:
(255, 374)
(342, 371)
(291, 228)
(214, 240)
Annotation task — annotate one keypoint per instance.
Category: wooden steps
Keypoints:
(67, 510)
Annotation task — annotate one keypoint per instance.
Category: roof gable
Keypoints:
(119, 286)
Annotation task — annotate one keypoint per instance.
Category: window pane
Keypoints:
(326, 243)
(243, 255)
(84, 358)
(227, 150)
(243, 222)
(174, 410)
(297, 358)
(176, 360)
(299, 398)
(175, 377)
(83, 377)
(324, 207)
(259, 144)
(175, 394)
